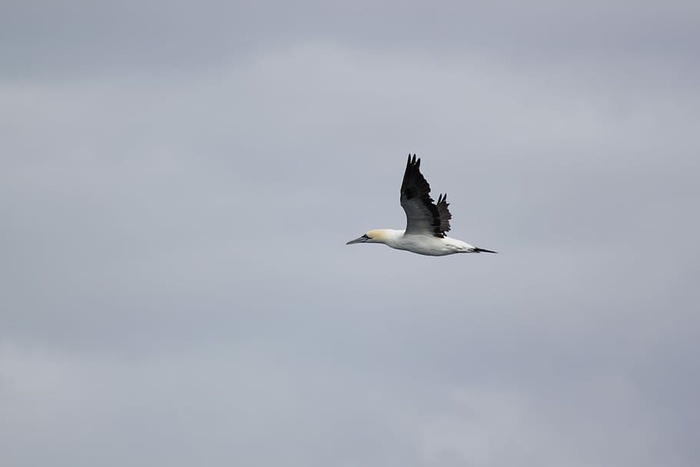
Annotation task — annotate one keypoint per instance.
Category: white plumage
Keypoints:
(426, 221)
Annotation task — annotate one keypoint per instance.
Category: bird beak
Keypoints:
(361, 239)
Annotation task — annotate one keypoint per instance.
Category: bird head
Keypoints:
(373, 236)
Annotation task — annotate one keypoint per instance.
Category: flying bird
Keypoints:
(426, 221)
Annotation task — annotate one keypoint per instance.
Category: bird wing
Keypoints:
(423, 216)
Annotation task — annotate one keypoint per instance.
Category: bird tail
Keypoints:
(483, 250)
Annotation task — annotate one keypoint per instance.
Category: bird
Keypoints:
(427, 222)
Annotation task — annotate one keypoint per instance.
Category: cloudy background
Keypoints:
(178, 182)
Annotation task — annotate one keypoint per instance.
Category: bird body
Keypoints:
(428, 245)
(426, 221)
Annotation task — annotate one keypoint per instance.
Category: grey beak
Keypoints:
(361, 239)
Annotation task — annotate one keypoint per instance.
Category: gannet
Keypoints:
(426, 222)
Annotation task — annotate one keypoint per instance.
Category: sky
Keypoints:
(178, 181)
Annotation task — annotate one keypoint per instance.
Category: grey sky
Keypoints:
(178, 182)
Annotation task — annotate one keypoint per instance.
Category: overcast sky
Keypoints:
(178, 181)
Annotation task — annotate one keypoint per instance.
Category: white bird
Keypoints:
(426, 222)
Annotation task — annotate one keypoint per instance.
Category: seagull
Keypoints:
(426, 222)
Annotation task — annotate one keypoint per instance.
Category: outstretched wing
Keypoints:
(423, 216)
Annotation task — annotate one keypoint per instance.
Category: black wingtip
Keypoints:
(483, 250)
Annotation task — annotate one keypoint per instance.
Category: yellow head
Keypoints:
(372, 236)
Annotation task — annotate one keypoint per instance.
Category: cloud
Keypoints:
(177, 189)
(41, 39)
